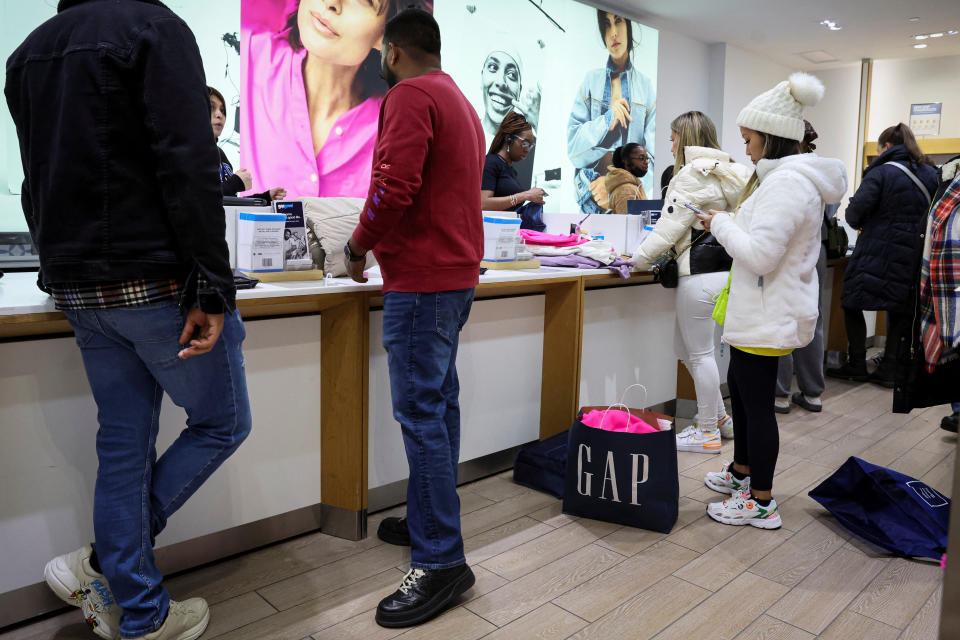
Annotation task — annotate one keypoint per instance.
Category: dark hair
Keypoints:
(774, 147)
(809, 135)
(512, 126)
(219, 96)
(368, 75)
(603, 24)
(414, 28)
(901, 134)
(622, 154)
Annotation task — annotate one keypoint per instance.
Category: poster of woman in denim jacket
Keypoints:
(616, 104)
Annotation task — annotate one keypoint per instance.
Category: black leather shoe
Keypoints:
(856, 371)
(951, 423)
(423, 595)
(883, 376)
(394, 531)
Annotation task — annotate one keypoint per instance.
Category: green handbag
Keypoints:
(720, 302)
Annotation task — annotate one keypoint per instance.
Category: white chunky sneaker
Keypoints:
(186, 620)
(725, 482)
(726, 427)
(75, 582)
(693, 439)
(741, 509)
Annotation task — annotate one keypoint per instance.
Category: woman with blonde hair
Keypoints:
(706, 178)
(773, 237)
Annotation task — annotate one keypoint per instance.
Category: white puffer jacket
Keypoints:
(709, 180)
(774, 241)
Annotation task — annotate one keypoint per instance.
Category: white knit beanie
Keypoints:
(779, 111)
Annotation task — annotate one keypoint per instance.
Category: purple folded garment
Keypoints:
(575, 261)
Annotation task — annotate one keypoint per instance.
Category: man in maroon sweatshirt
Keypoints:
(423, 222)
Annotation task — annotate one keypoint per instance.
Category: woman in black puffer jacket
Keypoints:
(889, 209)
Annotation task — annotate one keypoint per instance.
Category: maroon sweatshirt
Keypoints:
(422, 216)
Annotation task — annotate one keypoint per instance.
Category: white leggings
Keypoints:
(694, 342)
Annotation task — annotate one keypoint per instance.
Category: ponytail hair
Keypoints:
(901, 134)
(512, 126)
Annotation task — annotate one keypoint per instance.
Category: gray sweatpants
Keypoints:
(806, 362)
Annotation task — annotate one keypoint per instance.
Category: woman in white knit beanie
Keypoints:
(774, 240)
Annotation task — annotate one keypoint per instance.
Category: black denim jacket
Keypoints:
(110, 104)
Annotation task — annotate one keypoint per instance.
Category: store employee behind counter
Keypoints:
(499, 189)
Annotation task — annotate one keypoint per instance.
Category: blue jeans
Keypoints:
(130, 356)
(421, 332)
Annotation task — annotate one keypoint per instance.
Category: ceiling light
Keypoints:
(923, 37)
(919, 46)
(936, 35)
(913, 20)
(952, 32)
(830, 24)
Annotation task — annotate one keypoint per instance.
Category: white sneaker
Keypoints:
(726, 427)
(186, 620)
(693, 439)
(740, 509)
(75, 582)
(725, 482)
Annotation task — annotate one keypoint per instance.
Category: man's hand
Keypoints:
(246, 177)
(209, 326)
(355, 269)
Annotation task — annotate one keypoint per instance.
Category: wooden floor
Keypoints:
(544, 575)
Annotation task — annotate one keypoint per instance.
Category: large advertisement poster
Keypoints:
(585, 78)
(311, 91)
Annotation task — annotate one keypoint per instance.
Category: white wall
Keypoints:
(683, 85)
(899, 83)
(745, 76)
(836, 119)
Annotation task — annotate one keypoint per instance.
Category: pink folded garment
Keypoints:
(616, 420)
(536, 237)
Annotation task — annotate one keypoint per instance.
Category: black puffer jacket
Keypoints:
(890, 212)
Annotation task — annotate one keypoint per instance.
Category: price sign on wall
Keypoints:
(925, 118)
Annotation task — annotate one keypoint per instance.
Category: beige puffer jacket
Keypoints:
(709, 180)
(622, 186)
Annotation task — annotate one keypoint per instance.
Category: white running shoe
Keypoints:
(726, 427)
(75, 582)
(740, 509)
(186, 620)
(724, 481)
(693, 439)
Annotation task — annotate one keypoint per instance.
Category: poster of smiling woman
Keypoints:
(311, 92)
(584, 79)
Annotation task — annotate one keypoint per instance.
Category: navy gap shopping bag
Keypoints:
(889, 509)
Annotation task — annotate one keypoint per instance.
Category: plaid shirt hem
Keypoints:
(77, 296)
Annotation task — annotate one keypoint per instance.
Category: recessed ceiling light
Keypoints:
(919, 46)
(830, 24)
(913, 20)
(922, 37)
(936, 35)
(952, 32)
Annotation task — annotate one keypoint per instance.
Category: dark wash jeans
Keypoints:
(130, 356)
(421, 332)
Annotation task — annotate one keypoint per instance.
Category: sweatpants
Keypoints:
(752, 381)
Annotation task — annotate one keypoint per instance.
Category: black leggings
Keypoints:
(756, 438)
(898, 324)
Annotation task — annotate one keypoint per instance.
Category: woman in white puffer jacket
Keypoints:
(705, 177)
(774, 240)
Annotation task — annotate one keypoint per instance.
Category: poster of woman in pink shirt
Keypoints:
(310, 92)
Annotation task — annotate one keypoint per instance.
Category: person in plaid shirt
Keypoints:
(123, 201)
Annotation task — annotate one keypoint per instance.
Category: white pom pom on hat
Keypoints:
(779, 111)
(806, 89)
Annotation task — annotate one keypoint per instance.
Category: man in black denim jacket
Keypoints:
(123, 201)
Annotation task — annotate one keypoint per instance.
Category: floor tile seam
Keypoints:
(511, 582)
(481, 564)
(867, 615)
(795, 534)
(323, 595)
(917, 614)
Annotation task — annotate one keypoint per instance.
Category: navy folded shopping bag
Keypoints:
(889, 509)
(543, 465)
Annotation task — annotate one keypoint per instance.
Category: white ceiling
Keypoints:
(782, 29)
